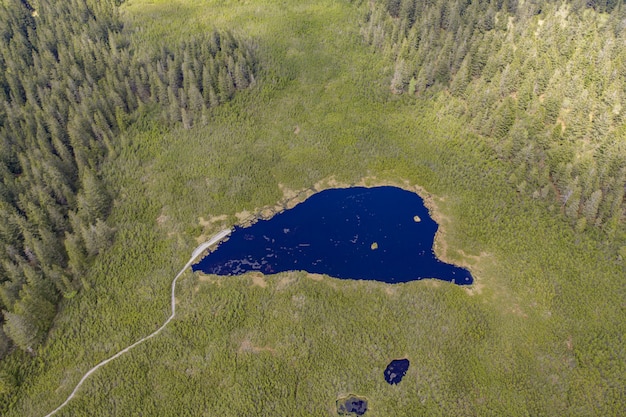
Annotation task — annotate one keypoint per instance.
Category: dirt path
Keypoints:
(215, 239)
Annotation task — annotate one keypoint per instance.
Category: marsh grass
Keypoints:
(543, 336)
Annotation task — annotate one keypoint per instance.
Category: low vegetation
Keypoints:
(540, 333)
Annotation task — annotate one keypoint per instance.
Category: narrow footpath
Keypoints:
(215, 239)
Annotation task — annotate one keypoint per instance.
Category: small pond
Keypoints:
(381, 233)
(351, 405)
(396, 370)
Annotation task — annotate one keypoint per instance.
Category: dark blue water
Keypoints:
(396, 370)
(351, 233)
(352, 405)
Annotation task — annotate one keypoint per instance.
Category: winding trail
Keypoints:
(215, 239)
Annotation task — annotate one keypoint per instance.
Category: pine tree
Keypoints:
(460, 81)
(226, 86)
(241, 76)
(5, 344)
(77, 258)
(592, 205)
(22, 331)
(94, 201)
(97, 237)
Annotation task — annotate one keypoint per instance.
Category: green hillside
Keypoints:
(72, 86)
(333, 92)
(541, 82)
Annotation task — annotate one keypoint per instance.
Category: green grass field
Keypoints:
(540, 333)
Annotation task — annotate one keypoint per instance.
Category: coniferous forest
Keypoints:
(71, 85)
(133, 130)
(542, 81)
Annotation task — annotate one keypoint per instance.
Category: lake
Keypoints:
(381, 233)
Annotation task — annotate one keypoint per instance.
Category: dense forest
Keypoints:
(544, 82)
(70, 83)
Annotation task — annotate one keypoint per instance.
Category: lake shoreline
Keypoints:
(291, 198)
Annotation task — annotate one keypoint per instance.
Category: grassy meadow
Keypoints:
(541, 332)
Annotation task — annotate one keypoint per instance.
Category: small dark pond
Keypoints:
(382, 234)
(396, 370)
(351, 405)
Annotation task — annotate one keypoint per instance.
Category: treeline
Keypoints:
(70, 83)
(542, 81)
